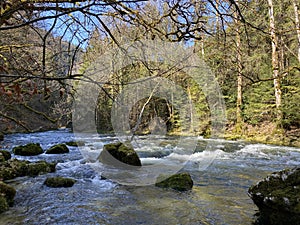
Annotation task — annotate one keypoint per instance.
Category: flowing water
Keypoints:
(219, 195)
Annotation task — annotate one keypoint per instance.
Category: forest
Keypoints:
(48, 47)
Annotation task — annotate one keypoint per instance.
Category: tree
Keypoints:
(235, 35)
(239, 99)
(275, 61)
(297, 25)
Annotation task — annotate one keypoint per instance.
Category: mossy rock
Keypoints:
(17, 168)
(58, 149)
(13, 168)
(57, 182)
(179, 182)
(75, 143)
(278, 197)
(114, 153)
(8, 192)
(30, 149)
(41, 167)
(3, 204)
(6, 155)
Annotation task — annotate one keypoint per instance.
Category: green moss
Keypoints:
(58, 149)
(13, 168)
(35, 169)
(179, 182)
(8, 193)
(120, 152)
(5, 154)
(3, 204)
(57, 182)
(30, 149)
(75, 143)
(278, 197)
(17, 168)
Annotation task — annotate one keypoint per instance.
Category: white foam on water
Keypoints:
(90, 153)
(104, 185)
(68, 164)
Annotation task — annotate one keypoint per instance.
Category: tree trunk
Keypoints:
(239, 99)
(297, 23)
(192, 128)
(275, 61)
(239, 83)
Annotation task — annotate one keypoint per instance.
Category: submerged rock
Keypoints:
(179, 182)
(278, 198)
(58, 149)
(114, 152)
(57, 182)
(30, 149)
(5, 154)
(75, 143)
(17, 168)
(7, 194)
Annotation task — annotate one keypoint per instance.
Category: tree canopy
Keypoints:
(252, 47)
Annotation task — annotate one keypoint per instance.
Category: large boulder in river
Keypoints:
(30, 149)
(57, 182)
(114, 153)
(179, 182)
(278, 198)
(58, 149)
(17, 168)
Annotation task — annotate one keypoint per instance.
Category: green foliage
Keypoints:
(220, 50)
(291, 103)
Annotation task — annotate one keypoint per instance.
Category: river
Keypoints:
(219, 195)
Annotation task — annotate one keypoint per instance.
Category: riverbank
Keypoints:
(265, 133)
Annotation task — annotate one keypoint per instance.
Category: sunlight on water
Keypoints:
(219, 195)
